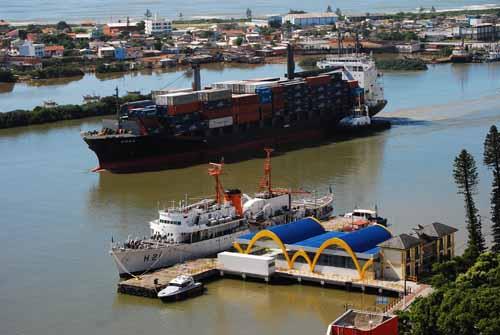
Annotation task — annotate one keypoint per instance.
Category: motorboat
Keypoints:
(181, 287)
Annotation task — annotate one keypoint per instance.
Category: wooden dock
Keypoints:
(150, 284)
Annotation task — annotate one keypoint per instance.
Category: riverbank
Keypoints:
(40, 115)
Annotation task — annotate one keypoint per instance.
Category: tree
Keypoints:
(61, 25)
(180, 16)
(492, 160)
(433, 9)
(238, 41)
(158, 44)
(249, 13)
(329, 9)
(338, 12)
(466, 178)
(148, 14)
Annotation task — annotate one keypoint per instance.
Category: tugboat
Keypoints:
(366, 214)
(181, 288)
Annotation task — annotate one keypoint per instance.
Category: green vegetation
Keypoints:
(6, 76)
(397, 36)
(113, 67)
(466, 178)
(466, 303)
(466, 299)
(491, 159)
(406, 64)
(58, 71)
(38, 115)
(205, 21)
(309, 62)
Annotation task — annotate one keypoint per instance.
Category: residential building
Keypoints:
(54, 51)
(157, 26)
(115, 28)
(30, 49)
(311, 19)
(106, 52)
(479, 32)
(410, 255)
(410, 47)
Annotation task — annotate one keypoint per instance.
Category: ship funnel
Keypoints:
(290, 62)
(196, 77)
(234, 197)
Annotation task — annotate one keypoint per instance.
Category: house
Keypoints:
(310, 19)
(106, 52)
(407, 256)
(54, 51)
(25, 62)
(479, 32)
(30, 49)
(409, 47)
(157, 26)
(116, 28)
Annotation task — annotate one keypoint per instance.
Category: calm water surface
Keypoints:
(103, 11)
(58, 218)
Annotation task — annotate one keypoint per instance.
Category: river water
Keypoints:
(58, 218)
(104, 11)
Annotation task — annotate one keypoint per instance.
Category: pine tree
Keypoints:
(466, 178)
(492, 160)
(249, 13)
(329, 9)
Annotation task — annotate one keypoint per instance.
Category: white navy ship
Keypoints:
(362, 68)
(209, 226)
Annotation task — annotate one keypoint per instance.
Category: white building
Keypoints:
(311, 19)
(106, 52)
(408, 47)
(157, 26)
(29, 49)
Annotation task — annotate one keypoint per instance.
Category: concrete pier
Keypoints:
(149, 285)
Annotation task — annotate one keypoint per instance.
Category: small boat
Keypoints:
(366, 214)
(181, 287)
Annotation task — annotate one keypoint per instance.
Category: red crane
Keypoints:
(215, 171)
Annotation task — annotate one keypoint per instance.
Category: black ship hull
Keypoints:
(129, 153)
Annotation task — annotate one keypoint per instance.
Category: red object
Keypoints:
(245, 99)
(318, 80)
(277, 89)
(247, 117)
(217, 113)
(353, 83)
(266, 111)
(344, 325)
(184, 108)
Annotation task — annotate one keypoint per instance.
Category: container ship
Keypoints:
(228, 120)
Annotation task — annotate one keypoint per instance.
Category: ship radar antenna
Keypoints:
(215, 171)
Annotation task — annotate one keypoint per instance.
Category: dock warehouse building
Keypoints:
(306, 246)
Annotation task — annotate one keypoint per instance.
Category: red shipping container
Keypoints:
(353, 83)
(318, 80)
(245, 99)
(277, 89)
(266, 111)
(184, 108)
(217, 113)
(247, 117)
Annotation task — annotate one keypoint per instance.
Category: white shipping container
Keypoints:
(178, 98)
(220, 122)
(215, 94)
(248, 264)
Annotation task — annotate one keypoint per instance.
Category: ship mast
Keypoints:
(215, 171)
(265, 183)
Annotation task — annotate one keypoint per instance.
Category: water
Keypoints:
(104, 11)
(57, 218)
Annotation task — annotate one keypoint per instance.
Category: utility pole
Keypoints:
(117, 107)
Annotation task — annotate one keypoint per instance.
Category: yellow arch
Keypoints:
(368, 264)
(260, 235)
(303, 254)
(337, 241)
